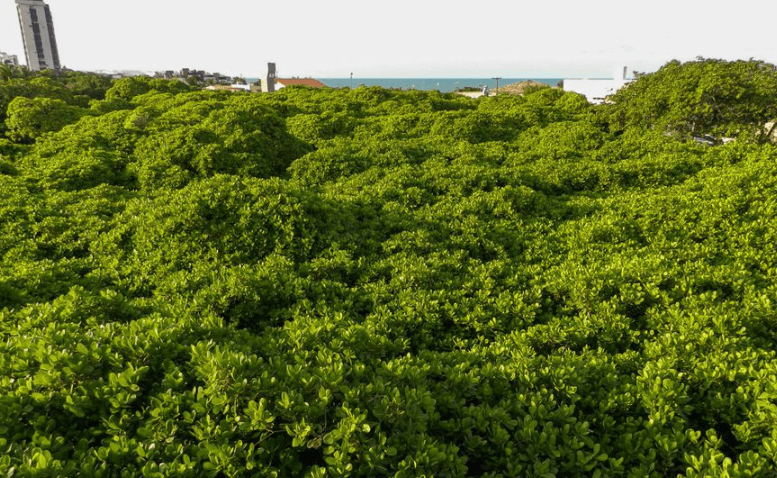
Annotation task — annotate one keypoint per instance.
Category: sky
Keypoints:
(402, 38)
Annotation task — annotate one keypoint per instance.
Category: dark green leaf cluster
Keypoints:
(705, 97)
(337, 283)
(56, 99)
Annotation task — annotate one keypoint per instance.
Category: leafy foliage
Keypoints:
(332, 283)
(235, 136)
(30, 118)
(705, 97)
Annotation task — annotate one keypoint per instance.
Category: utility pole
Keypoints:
(351, 80)
(497, 78)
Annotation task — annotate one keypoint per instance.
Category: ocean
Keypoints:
(443, 85)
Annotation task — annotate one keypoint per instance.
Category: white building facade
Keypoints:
(40, 44)
(596, 90)
(10, 60)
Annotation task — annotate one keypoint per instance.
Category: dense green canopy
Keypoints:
(334, 283)
(705, 97)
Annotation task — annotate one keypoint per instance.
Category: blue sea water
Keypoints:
(444, 85)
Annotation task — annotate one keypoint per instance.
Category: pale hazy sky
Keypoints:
(402, 38)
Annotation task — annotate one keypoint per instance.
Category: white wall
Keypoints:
(594, 90)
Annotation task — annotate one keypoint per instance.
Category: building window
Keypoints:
(52, 39)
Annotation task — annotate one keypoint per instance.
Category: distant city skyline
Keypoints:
(404, 38)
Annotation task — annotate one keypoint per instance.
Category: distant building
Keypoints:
(233, 88)
(273, 83)
(284, 82)
(187, 73)
(10, 60)
(596, 90)
(268, 86)
(40, 44)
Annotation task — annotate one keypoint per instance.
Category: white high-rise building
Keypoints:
(40, 44)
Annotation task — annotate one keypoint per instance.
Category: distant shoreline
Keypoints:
(444, 85)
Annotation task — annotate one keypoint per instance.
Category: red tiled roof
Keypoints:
(300, 81)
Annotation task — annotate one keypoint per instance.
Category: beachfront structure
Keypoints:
(284, 82)
(596, 90)
(10, 60)
(272, 83)
(40, 44)
(234, 87)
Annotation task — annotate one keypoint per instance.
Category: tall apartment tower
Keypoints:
(40, 44)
